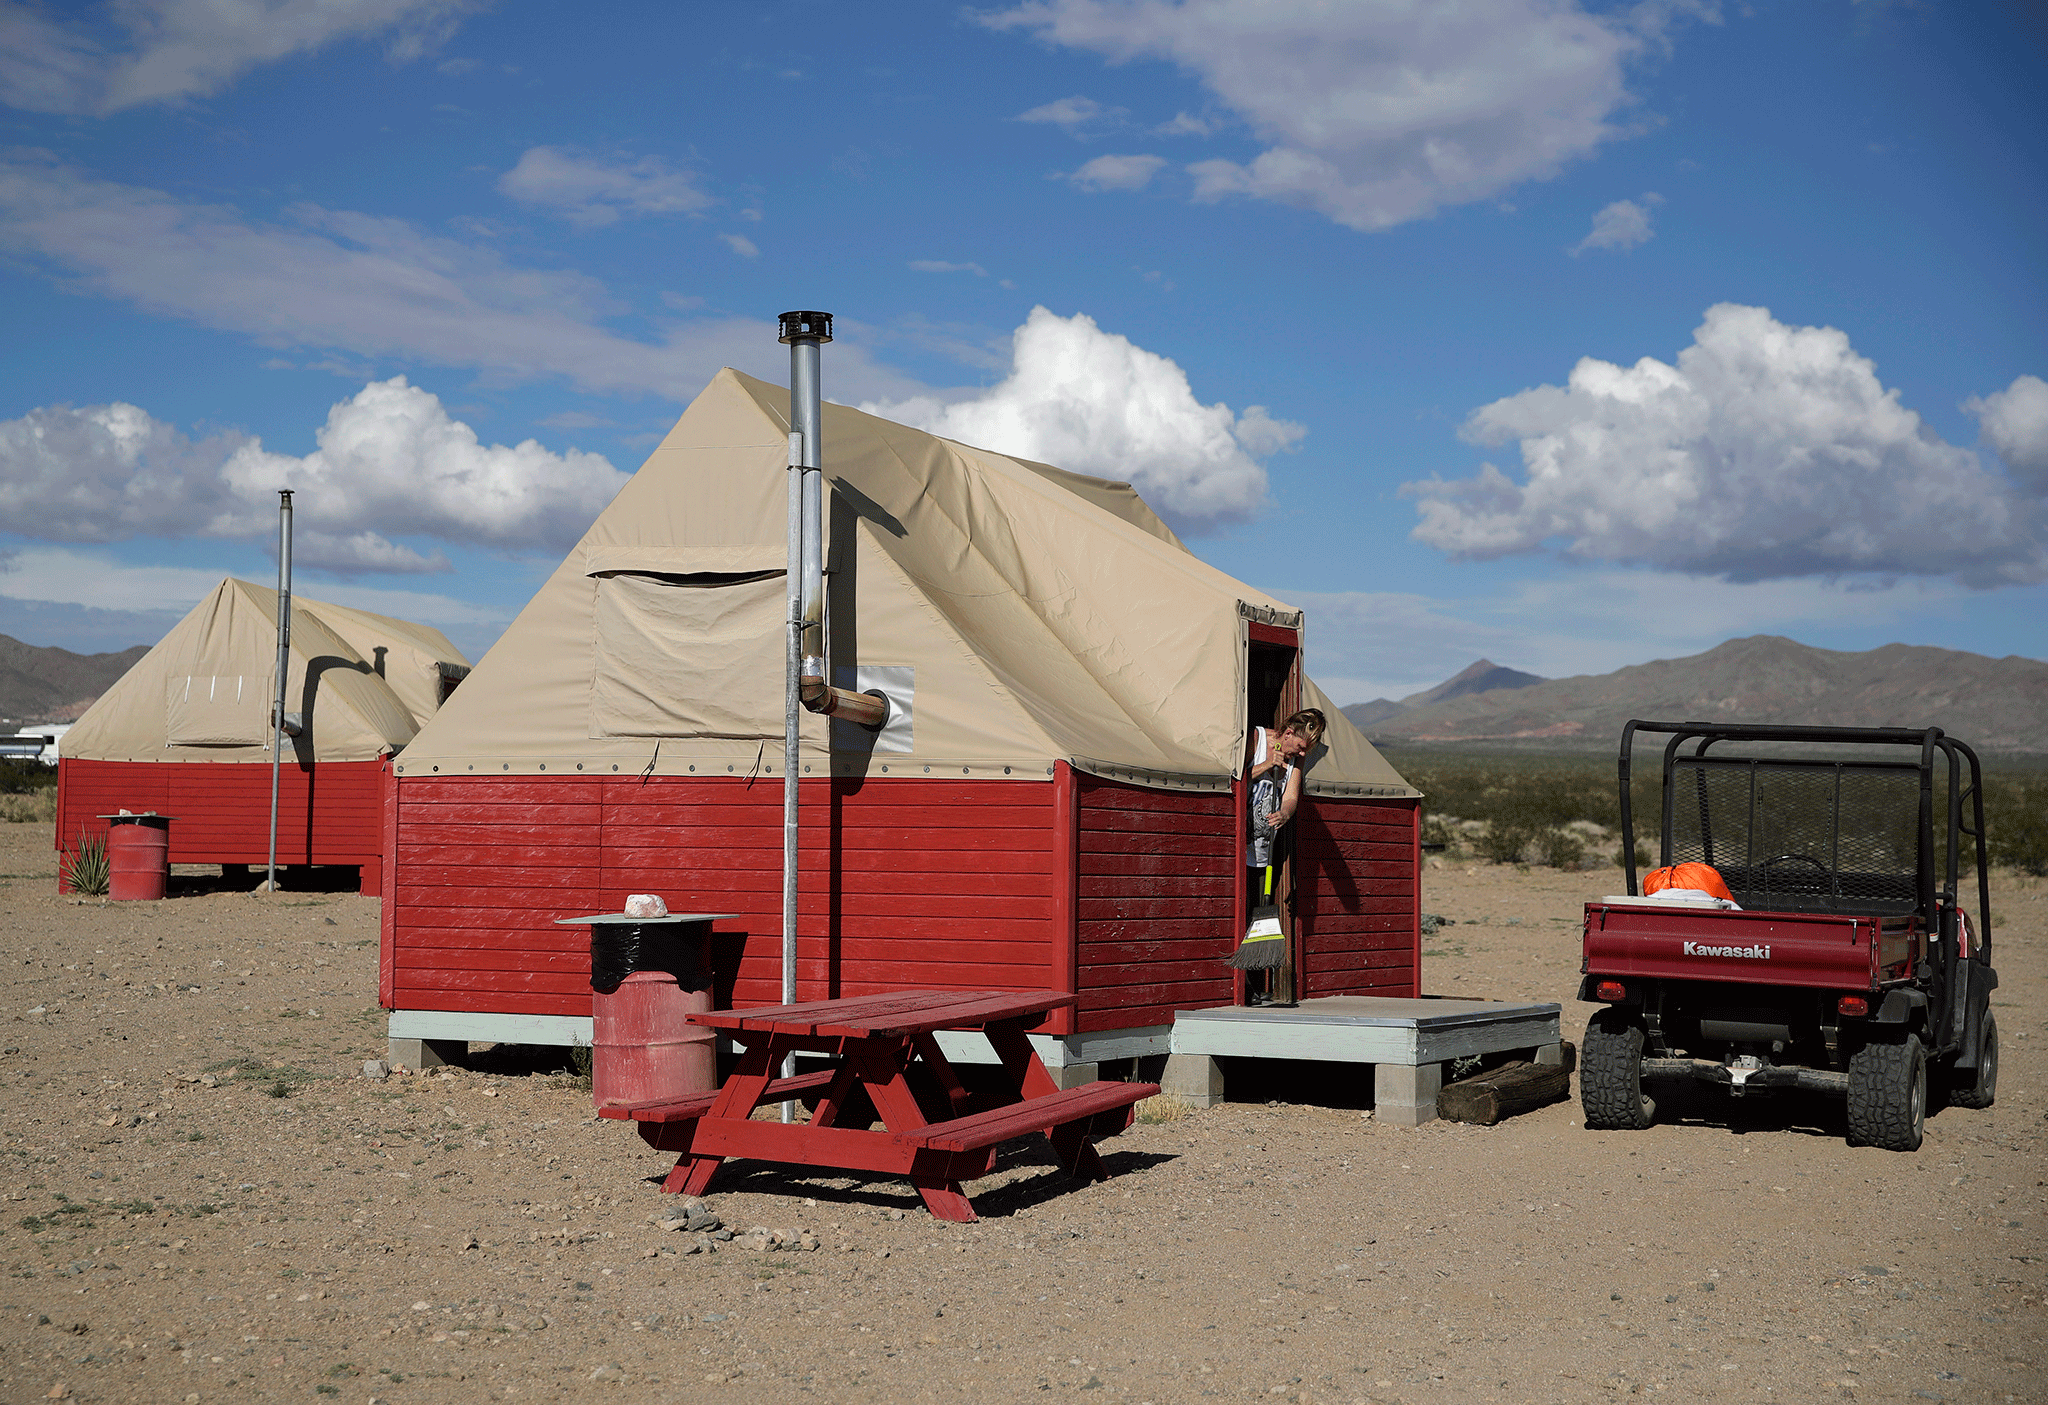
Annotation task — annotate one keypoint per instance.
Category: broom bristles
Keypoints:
(1263, 955)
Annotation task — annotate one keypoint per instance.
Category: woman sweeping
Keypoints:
(1275, 793)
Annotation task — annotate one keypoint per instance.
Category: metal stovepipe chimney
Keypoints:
(284, 653)
(805, 333)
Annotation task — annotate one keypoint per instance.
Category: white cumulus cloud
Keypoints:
(1379, 111)
(1117, 172)
(51, 62)
(1622, 225)
(741, 245)
(340, 280)
(390, 460)
(1071, 114)
(941, 266)
(591, 191)
(2015, 425)
(1767, 451)
(1090, 401)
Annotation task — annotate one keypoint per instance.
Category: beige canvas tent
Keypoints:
(1019, 616)
(186, 731)
(1052, 800)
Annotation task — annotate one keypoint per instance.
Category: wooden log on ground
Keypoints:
(1512, 1088)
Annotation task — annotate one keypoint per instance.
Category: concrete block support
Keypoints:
(1550, 1054)
(417, 1054)
(1196, 1079)
(1404, 1095)
(1074, 1075)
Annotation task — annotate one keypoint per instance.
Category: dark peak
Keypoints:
(1483, 676)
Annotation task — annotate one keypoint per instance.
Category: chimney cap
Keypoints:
(806, 326)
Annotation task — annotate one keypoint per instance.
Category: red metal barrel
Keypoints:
(642, 1044)
(138, 857)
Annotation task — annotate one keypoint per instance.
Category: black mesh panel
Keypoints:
(1800, 838)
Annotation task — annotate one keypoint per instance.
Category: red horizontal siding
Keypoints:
(1357, 881)
(328, 813)
(947, 884)
(1156, 902)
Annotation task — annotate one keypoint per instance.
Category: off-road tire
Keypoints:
(1978, 1087)
(1611, 1075)
(1887, 1102)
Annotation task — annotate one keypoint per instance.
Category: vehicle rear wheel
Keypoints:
(1611, 1075)
(1888, 1094)
(1978, 1087)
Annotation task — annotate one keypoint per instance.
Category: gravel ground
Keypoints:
(206, 1201)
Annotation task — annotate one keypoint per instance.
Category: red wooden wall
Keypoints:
(1127, 896)
(942, 884)
(1156, 903)
(1358, 883)
(328, 813)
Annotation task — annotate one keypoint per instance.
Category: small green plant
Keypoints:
(88, 870)
(195, 1136)
(579, 1061)
(1642, 856)
(278, 1089)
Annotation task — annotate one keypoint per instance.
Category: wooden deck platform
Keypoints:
(1407, 1041)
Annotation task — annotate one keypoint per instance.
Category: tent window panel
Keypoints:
(226, 709)
(698, 655)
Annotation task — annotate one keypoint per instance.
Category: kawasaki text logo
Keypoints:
(1754, 953)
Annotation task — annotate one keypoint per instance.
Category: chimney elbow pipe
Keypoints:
(869, 710)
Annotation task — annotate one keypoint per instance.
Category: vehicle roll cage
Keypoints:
(1934, 906)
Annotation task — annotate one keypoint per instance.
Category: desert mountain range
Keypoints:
(55, 685)
(1993, 704)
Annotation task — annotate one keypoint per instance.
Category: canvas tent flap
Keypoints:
(204, 693)
(1044, 616)
(215, 709)
(728, 683)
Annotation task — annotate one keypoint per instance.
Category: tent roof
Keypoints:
(1035, 615)
(204, 692)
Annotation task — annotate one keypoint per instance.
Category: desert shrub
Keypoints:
(1644, 856)
(1504, 841)
(32, 807)
(1560, 848)
(1441, 829)
(18, 777)
(2016, 821)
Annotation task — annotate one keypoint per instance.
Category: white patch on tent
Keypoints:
(897, 683)
(1092, 402)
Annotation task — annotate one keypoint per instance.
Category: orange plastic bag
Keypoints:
(1703, 876)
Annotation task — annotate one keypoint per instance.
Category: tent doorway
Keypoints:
(1272, 692)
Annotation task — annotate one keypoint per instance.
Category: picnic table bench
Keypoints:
(876, 1040)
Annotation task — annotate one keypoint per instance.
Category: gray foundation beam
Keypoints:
(417, 1054)
(1196, 1079)
(1404, 1095)
(1074, 1075)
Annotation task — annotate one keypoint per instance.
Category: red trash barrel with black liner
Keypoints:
(647, 977)
(138, 856)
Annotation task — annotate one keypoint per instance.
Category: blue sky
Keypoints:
(1571, 336)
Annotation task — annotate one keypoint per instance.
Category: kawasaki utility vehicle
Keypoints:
(1848, 964)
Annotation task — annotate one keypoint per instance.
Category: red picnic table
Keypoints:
(876, 1039)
